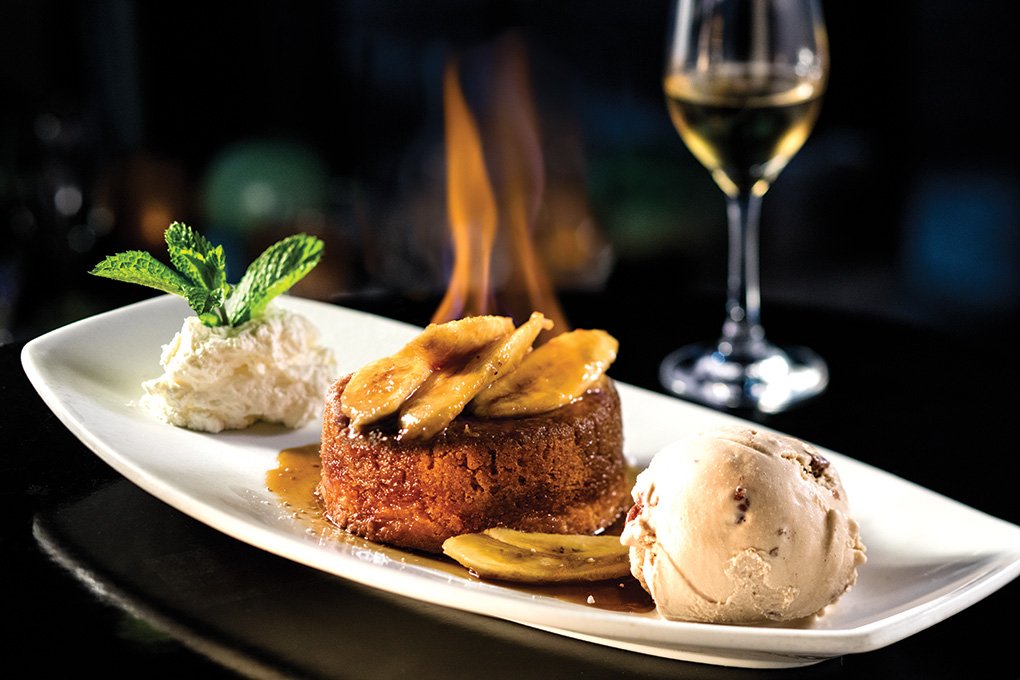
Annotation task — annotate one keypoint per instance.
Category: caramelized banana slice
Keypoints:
(553, 375)
(445, 393)
(527, 557)
(378, 389)
(448, 342)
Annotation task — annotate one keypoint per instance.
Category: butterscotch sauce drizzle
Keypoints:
(294, 481)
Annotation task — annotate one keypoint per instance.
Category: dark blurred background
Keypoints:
(254, 120)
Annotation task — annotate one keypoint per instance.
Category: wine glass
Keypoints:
(744, 81)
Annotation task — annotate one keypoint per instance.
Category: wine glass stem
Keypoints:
(742, 330)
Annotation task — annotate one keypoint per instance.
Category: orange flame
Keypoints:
(476, 217)
(471, 209)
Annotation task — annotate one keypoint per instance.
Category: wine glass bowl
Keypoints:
(744, 81)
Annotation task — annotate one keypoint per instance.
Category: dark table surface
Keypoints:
(103, 578)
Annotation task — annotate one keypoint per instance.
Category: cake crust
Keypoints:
(556, 472)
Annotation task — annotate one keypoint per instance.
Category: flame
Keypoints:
(478, 222)
(471, 209)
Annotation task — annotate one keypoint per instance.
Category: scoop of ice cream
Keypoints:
(224, 378)
(742, 526)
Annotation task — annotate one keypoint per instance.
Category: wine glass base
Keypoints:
(770, 381)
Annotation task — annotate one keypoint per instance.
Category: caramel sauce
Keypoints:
(294, 481)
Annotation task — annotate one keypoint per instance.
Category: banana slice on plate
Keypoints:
(528, 557)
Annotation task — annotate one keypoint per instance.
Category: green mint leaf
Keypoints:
(207, 304)
(136, 266)
(197, 259)
(274, 271)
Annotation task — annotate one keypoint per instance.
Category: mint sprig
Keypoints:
(199, 274)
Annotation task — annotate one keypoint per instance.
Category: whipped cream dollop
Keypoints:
(271, 369)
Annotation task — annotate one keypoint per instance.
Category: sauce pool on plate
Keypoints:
(295, 478)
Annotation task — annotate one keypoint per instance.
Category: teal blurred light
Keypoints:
(263, 183)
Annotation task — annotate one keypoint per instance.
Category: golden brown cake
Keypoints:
(561, 471)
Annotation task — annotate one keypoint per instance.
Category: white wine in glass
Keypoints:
(744, 82)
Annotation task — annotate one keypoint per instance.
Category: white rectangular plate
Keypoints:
(928, 556)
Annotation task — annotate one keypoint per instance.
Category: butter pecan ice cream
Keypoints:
(742, 526)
